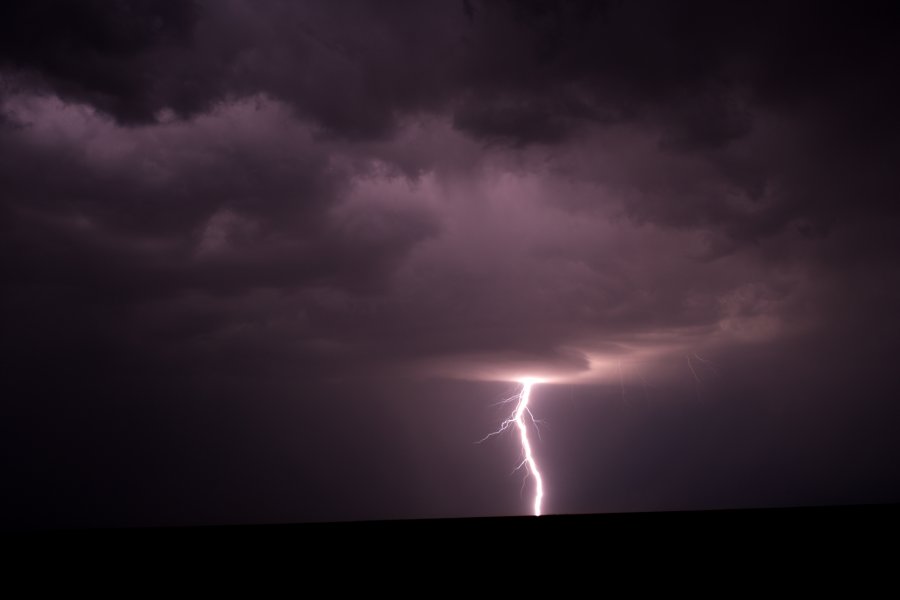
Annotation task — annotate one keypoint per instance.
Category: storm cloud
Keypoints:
(308, 245)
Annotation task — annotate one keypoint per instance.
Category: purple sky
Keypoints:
(278, 261)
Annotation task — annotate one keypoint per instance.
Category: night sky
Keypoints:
(265, 261)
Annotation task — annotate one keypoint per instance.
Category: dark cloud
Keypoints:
(96, 52)
(356, 68)
(511, 123)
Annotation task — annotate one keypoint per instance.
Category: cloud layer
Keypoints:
(223, 200)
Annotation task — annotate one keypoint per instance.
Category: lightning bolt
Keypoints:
(521, 409)
(518, 418)
(694, 372)
(708, 363)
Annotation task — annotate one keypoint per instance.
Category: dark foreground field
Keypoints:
(650, 532)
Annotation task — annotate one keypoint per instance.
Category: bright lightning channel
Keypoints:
(518, 417)
(521, 409)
